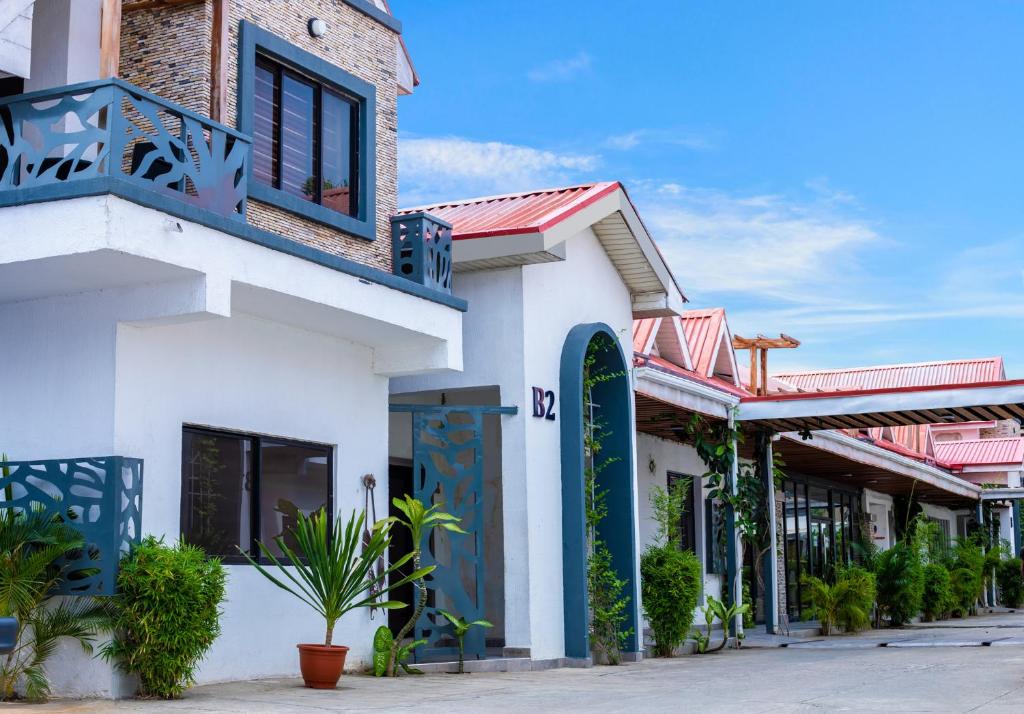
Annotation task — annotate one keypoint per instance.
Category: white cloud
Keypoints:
(560, 70)
(443, 168)
(760, 245)
(671, 137)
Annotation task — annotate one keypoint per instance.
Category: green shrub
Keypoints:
(165, 614)
(847, 602)
(937, 597)
(964, 586)
(1011, 585)
(670, 586)
(900, 582)
(855, 614)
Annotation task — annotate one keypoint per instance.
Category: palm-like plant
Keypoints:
(328, 571)
(32, 544)
(459, 628)
(726, 614)
(420, 521)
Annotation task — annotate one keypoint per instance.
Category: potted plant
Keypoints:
(459, 628)
(332, 572)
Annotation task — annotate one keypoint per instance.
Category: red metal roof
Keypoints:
(664, 365)
(516, 213)
(702, 329)
(922, 374)
(642, 331)
(981, 452)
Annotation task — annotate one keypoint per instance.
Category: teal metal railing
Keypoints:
(79, 139)
(100, 497)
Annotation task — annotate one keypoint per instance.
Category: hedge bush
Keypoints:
(1011, 585)
(937, 597)
(900, 579)
(670, 585)
(862, 590)
(965, 584)
(166, 615)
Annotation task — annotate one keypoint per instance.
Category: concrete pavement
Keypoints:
(946, 672)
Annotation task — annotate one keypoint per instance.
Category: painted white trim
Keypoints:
(685, 393)
(882, 402)
(1002, 494)
(725, 337)
(871, 455)
(677, 325)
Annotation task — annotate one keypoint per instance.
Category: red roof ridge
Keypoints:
(502, 196)
(898, 365)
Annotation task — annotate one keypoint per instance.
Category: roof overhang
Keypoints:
(612, 217)
(1002, 494)
(862, 409)
(660, 397)
(864, 465)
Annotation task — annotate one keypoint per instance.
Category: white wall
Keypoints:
(679, 458)
(513, 337)
(65, 43)
(558, 296)
(81, 384)
(255, 376)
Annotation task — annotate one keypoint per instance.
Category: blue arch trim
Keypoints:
(618, 528)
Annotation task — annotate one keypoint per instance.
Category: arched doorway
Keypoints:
(612, 398)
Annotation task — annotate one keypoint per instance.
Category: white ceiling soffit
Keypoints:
(15, 37)
(620, 231)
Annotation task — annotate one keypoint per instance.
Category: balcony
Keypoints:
(109, 136)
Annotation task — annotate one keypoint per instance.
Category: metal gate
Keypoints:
(447, 448)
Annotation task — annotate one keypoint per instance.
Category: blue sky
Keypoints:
(847, 173)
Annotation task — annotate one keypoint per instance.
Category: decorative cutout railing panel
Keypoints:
(422, 250)
(100, 497)
(112, 129)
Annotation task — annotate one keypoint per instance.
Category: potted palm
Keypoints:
(332, 572)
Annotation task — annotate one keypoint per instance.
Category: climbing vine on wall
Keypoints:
(749, 501)
(605, 589)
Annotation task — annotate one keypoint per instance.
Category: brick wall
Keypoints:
(167, 51)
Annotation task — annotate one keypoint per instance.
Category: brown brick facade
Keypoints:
(167, 51)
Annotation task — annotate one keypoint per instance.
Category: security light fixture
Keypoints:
(317, 27)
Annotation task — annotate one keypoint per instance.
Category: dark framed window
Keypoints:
(714, 537)
(312, 126)
(237, 489)
(688, 518)
(305, 138)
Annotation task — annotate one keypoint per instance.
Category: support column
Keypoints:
(1017, 545)
(770, 564)
(734, 546)
(979, 516)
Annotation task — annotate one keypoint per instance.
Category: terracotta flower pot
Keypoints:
(322, 665)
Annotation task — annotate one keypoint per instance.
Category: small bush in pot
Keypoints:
(166, 615)
(332, 571)
(937, 597)
(1010, 582)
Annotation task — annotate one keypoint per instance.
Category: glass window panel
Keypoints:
(217, 489)
(294, 478)
(264, 130)
(298, 137)
(338, 186)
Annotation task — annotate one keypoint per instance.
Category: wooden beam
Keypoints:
(219, 61)
(110, 38)
(763, 386)
(153, 4)
(754, 371)
(782, 342)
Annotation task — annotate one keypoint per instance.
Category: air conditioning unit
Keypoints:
(878, 517)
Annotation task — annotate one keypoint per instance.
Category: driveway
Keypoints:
(949, 671)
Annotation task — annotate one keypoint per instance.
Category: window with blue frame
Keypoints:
(312, 128)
